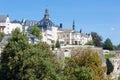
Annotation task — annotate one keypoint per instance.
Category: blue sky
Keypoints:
(101, 16)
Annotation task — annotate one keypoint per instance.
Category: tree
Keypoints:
(110, 67)
(90, 43)
(83, 73)
(96, 39)
(34, 30)
(1, 36)
(18, 42)
(118, 47)
(88, 59)
(57, 44)
(108, 44)
(22, 61)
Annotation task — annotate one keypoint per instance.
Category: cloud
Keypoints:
(112, 29)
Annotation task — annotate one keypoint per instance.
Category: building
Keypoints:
(6, 26)
(48, 28)
(51, 32)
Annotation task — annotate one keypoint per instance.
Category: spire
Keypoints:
(73, 25)
(46, 16)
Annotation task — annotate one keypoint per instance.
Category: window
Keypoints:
(67, 35)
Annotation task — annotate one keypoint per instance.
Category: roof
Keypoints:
(30, 22)
(3, 18)
(46, 23)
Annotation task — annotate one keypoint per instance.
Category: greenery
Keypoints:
(22, 61)
(1, 36)
(34, 30)
(83, 73)
(108, 44)
(107, 56)
(118, 47)
(97, 39)
(57, 44)
(90, 43)
(88, 59)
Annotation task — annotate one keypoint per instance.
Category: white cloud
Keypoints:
(112, 29)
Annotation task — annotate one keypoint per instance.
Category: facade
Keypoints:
(6, 26)
(50, 32)
(69, 36)
(48, 28)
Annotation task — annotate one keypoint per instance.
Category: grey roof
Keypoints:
(30, 22)
(3, 18)
(45, 23)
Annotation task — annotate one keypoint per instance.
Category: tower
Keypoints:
(46, 16)
(73, 27)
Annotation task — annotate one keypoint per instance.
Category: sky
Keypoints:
(101, 16)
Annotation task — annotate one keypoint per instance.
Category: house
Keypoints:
(6, 26)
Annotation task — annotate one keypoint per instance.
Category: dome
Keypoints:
(45, 23)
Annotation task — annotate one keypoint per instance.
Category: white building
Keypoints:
(6, 26)
(48, 28)
(51, 32)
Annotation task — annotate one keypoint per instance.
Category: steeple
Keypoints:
(46, 16)
(73, 27)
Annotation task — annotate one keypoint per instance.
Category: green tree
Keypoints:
(34, 30)
(108, 44)
(1, 36)
(18, 42)
(22, 61)
(118, 47)
(90, 43)
(83, 73)
(97, 39)
(57, 44)
(88, 59)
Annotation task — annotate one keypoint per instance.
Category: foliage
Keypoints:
(42, 46)
(108, 44)
(90, 43)
(18, 42)
(1, 36)
(107, 56)
(119, 78)
(57, 44)
(22, 61)
(110, 67)
(83, 73)
(97, 39)
(34, 30)
(88, 59)
(118, 47)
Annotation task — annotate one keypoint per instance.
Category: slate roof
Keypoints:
(3, 18)
(30, 22)
(45, 23)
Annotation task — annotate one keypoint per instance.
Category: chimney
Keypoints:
(60, 25)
